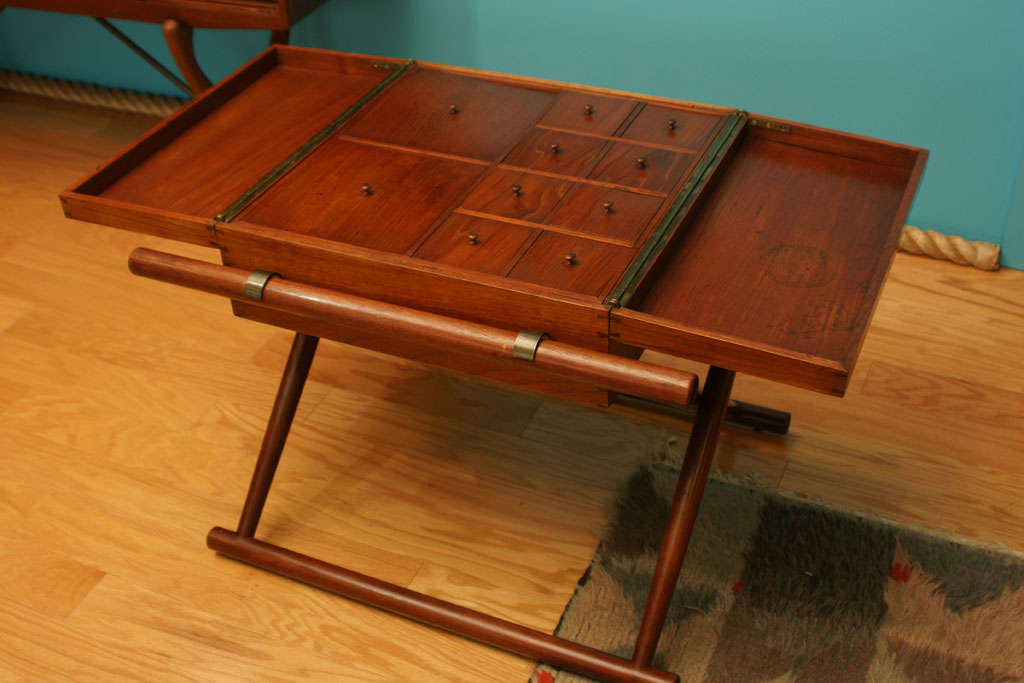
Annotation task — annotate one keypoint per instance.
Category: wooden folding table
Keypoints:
(532, 232)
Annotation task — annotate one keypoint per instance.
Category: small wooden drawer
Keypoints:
(364, 195)
(556, 151)
(681, 128)
(588, 113)
(575, 264)
(618, 214)
(515, 194)
(650, 168)
(479, 244)
(445, 112)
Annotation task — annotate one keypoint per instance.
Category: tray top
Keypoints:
(754, 244)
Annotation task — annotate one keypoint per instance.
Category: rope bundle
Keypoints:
(97, 96)
(982, 255)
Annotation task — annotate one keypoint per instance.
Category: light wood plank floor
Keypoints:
(131, 411)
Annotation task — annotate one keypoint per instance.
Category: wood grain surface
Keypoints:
(130, 415)
(765, 256)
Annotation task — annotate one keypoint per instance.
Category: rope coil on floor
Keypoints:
(983, 255)
(84, 93)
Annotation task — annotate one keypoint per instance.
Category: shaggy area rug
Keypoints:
(780, 589)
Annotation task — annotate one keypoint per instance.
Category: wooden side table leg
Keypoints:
(179, 40)
(288, 394)
(700, 451)
(280, 37)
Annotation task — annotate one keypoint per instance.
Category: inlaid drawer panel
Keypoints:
(515, 194)
(479, 244)
(650, 168)
(588, 113)
(674, 127)
(575, 264)
(617, 214)
(449, 113)
(556, 151)
(364, 195)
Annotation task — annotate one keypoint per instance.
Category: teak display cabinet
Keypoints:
(519, 230)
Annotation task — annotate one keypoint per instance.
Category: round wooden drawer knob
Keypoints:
(555, 148)
(641, 162)
(453, 109)
(366, 189)
(570, 258)
(517, 189)
(588, 110)
(474, 238)
(672, 124)
(609, 207)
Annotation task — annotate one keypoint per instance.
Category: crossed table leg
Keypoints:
(242, 545)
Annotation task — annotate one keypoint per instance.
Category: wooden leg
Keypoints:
(280, 37)
(288, 394)
(696, 465)
(485, 628)
(179, 40)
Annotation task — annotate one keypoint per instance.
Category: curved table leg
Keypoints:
(179, 40)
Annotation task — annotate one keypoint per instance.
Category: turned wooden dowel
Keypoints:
(466, 622)
(616, 373)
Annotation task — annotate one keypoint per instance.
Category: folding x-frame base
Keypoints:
(241, 545)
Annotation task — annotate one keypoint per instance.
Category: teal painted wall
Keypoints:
(946, 76)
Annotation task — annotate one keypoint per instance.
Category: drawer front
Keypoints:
(363, 195)
(650, 168)
(616, 214)
(588, 113)
(673, 127)
(479, 244)
(453, 114)
(575, 264)
(514, 194)
(557, 152)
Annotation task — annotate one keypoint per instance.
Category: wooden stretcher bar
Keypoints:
(615, 373)
(642, 379)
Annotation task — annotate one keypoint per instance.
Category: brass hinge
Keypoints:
(771, 125)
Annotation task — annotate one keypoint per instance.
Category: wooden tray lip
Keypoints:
(808, 371)
(860, 146)
(167, 130)
(826, 375)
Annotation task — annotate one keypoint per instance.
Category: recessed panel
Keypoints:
(364, 195)
(449, 113)
(640, 166)
(588, 113)
(556, 151)
(680, 128)
(480, 244)
(573, 264)
(515, 194)
(611, 213)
